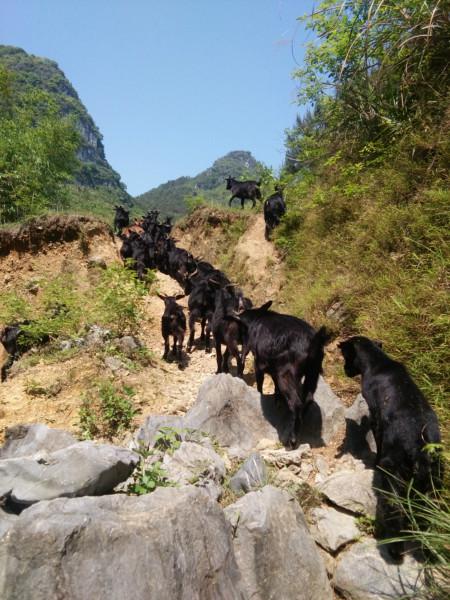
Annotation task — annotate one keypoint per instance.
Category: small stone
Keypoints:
(281, 457)
(252, 475)
(286, 478)
(97, 335)
(65, 345)
(114, 363)
(332, 529)
(321, 465)
(96, 261)
(352, 490)
(128, 344)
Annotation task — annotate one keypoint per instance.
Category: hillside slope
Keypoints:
(169, 198)
(34, 72)
(48, 385)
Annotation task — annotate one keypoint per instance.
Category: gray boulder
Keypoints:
(332, 529)
(251, 475)
(83, 469)
(228, 409)
(352, 490)
(146, 434)
(324, 418)
(195, 464)
(25, 440)
(171, 544)
(359, 438)
(7, 520)
(364, 572)
(275, 553)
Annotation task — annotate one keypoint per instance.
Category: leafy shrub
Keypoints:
(168, 439)
(117, 299)
(107, 413)
(148, 476)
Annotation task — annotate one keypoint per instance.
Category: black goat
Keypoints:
(226, 330)
(173, 323)
(180, 264)
(244, 190)
(16, 341)
(201, 305)
(135, 248)
(274, 209)
(289, 350)
(121, 218)
(403, 424)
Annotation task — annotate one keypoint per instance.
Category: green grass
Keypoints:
(384, 253)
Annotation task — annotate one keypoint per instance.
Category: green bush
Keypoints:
(117, 299)
(107, 412)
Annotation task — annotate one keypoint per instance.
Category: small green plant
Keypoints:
(148, 476)
(88, 421)
(108, 412)
(194, 202)
(117, 407)
(168, 439)
(366, 524)
(34, 388)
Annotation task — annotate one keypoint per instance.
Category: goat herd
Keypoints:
(291, 351)
(285, 347)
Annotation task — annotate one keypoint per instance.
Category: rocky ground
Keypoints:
(234, 515)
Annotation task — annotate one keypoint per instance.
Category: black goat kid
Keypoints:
(173, 323)
(226, 329)
(274, 209)
(403, 424)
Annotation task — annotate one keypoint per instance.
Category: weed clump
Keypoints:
(106, 412)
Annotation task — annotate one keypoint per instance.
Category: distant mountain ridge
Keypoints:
(34, 72)
(169, 198)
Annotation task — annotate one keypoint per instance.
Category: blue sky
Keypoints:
(172, 84)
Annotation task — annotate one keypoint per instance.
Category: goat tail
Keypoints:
(314, 363)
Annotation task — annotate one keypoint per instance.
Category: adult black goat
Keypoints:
(403, 424)
(121, 218)
(226, 329)
(274, 209)
(244, 190)
(289, 350)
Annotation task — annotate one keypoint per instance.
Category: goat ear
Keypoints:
(266, 306)
(162, 296)
(179, 296)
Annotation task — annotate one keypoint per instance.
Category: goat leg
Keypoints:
(166, 347)
(219, 357)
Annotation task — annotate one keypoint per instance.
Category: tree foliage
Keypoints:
(37, 152)
(376, 68)
(367, 181)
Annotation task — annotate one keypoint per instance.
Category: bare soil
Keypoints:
(39, 390)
